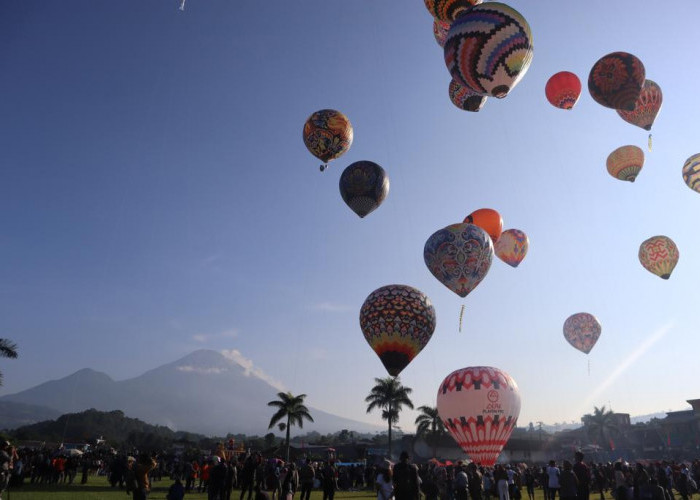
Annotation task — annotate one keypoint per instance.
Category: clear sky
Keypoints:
(156, 198)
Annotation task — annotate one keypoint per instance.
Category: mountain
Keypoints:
(203, 392)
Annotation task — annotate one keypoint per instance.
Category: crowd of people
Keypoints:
(220, 473)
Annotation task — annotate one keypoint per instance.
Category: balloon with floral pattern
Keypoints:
(582, 331)
(659, 255)
(327, 135)
(616, 80)
(646, 107)
(512, 247)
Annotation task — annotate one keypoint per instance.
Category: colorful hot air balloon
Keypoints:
(487, 219)
(646, 107)
(489, 49)
(479, 406)
(464, 98)
(449, 10)
(440, 30)
(327, 135)
(563, 90)
(511, 247)
(625, 162)
(659, 255)
(616, 80)
(582, 330)
(459, 256)
(691, 172)
(398, 321)
(364, 185)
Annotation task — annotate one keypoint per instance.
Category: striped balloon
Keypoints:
(479, 406)
(489, 49)
(691, 172)
(449, 10)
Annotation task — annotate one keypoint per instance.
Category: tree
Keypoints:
(292, 408)
(430, 425)
(389, 396)
(601, 425)
(8, 349)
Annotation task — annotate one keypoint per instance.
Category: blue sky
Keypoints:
(156, 198)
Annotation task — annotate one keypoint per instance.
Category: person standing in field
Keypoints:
(144, 465)
(583, 475)
(553, 479)
(406, 481)
(307, 474)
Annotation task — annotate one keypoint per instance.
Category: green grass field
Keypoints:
(98, 488)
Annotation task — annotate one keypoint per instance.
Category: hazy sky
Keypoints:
(156, 198)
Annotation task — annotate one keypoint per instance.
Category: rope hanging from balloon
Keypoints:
(461, 315)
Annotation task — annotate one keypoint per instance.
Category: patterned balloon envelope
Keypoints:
(364, 185)
(397, 321)
(489, 49)
(487, 219)
(625, 162)
(464, 98)
(616, 80)
(479, 406)
(646, 107)
(691, 172)
(659, 255)
(512, 246)
(563, 90)
(582, 330)
(327, 135)
(440, 30)
(449, 10)
(459, 256)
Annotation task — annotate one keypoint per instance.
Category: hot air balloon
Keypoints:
(327, 135)
(459, 256)
(691, 172)
(616, 80)
(449, 10)
(398, 321)
(511, 247)
(487, 219)
(563, 90)
(364, 185)
(489, 49)
(440, 30)
(659, 255)
(464, 98)
(479, 406)
(582, 330)
(625, 162)
(646, 106)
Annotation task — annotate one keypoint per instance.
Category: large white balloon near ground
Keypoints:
(479, 406)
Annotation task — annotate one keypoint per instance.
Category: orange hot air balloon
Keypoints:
(659, 255)
(511, 247)
(479, 406)
(563, 90)
(625, 162)
(646, 107)
(487, 219)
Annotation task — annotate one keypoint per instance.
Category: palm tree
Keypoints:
(430, 425)
(601, 424)
(292, 408)
(8, 349)
(389, 395)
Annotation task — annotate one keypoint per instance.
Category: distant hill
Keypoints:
(203, 392)
(15, 414)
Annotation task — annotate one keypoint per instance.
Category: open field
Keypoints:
(98, 489)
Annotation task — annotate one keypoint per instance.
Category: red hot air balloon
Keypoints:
(563, 90)
(582, 330)
(397, 321)
(479, 406)
(487, 219)
(616, 80)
